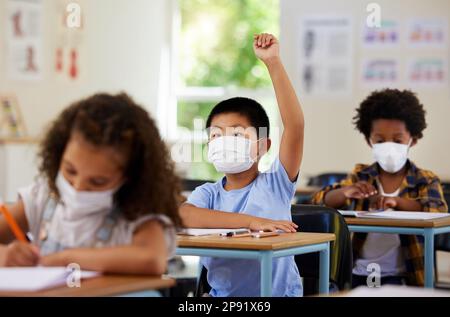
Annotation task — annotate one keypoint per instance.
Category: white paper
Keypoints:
(348, 213)
(36, 278)
(207, 232)
(325, 55)
(24, 36)
(412, 215)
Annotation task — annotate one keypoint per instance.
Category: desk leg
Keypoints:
(429, 257)
(324, 276)
(266, 273)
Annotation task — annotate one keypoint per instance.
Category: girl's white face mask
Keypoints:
(391, 156)
(230, 154)
(79, 204)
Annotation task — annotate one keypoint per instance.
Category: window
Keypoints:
(213, 60)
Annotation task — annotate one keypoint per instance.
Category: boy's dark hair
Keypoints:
(151, 186)
(391, 104)
(246, 107)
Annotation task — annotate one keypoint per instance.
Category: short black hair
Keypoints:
(391, 104)
(249, 108)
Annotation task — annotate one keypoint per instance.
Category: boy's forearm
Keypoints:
(288, 103)
(194, 217)
(334, 198)
(408, 204)
(126, 260)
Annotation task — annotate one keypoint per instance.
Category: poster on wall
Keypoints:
(380, 72)
(429, 33)
(24, 39)
(388, 35)
(427, 72)
(67, 55)
(326, 51)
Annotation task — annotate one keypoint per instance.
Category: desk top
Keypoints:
(282, 241)
(407, 223)
(107, 285)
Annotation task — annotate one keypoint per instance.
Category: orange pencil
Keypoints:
(13, 224)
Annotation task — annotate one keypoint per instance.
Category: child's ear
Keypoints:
(368, 142)
(414, 142)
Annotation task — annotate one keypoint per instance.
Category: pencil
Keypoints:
(13, 224)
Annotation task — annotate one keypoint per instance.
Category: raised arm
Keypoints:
(266, 48)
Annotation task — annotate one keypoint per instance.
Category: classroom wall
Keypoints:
(331, 143)
(121, 45)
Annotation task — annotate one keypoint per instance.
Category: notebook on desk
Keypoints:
(22, 279)
(406, 215)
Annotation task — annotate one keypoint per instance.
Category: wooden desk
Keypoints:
(264, 250)
(107, 285)
(426, 228)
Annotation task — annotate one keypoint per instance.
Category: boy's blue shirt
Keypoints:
(268, 196)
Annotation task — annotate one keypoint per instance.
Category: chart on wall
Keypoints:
(68, 54)
(24, 39)
(326, 51)
(380, 72)
(428, 33)
(387, 35)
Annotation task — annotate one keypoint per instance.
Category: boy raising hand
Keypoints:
(238, 131)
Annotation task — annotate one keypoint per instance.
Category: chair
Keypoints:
(311, 218)
(190, 184)
(326, 179)
(315, 219)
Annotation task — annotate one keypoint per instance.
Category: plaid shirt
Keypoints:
(420, 185)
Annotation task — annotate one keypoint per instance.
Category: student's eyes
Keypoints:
(215, 135)
(98, 182)
(71, 172)
(238, 134)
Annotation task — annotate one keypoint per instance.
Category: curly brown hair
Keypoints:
(151, 184)
(402, 105)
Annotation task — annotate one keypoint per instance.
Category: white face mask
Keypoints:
(391, 156)
(230, 154)
(79, 204)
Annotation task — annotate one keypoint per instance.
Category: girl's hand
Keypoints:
(266, 47)
(359, 190)
(20, 254)
(273, 225)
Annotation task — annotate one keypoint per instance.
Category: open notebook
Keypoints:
(36, 278)
(207, 232)
(407, 215)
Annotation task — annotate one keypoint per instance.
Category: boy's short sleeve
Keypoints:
(278, 180)
(201, 197)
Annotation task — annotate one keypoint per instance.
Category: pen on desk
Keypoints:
(18, 233)
(234, 233)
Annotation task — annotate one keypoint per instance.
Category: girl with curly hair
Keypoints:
(107, 196)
